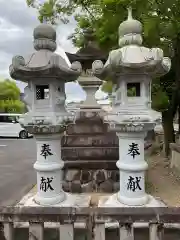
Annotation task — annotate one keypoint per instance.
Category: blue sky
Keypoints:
(16, 38)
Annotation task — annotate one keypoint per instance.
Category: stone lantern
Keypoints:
(46, 74)
(86, 56)
(90, 85)
(131, 67)
(90, 152)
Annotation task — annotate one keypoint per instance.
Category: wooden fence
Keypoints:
(94, 219)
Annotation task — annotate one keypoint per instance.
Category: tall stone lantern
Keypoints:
(46, 74)
(132, 67)
(86, 56)
(90, 85)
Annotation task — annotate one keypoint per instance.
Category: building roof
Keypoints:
(90, 51)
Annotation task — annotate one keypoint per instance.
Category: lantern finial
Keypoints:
(130, 13)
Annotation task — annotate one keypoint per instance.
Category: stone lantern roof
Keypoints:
(130, 26)
(44, 62)
(131, 57)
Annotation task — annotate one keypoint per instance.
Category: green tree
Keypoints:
(10, 97)
(107, 87)
(161, 21)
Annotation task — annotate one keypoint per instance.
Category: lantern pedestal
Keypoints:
(132, 167)
(49, 170)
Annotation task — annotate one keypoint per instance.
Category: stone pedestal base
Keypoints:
(112, 201)
(133, 201)
(70, 200)
(49, 201)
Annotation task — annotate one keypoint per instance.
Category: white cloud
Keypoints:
(17, 22)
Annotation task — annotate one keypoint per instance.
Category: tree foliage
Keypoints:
(10, 97)
(158, 16)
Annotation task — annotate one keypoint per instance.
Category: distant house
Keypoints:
(22, 97)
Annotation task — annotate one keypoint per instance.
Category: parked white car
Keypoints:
(10, 127)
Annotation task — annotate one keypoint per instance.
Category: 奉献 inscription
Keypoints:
(133, 150)
(46, 151)
(46, 184)
(133, 183)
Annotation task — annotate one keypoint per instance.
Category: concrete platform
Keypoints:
(84, 200)
(112, 201)
(71, 200)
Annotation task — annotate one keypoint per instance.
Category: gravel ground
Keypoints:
(162, 181)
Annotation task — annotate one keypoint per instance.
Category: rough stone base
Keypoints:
(87, 181)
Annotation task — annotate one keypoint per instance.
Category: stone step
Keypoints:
(91, 164)
(90, 140)
(87, 128)
(75, 154)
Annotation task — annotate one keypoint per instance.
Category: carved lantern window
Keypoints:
(42, 92)
(133, 89)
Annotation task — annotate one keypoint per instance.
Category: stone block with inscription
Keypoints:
(90, 153)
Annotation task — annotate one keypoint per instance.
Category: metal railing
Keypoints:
(94, 220)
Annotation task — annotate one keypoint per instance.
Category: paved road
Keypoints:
(17, 175)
